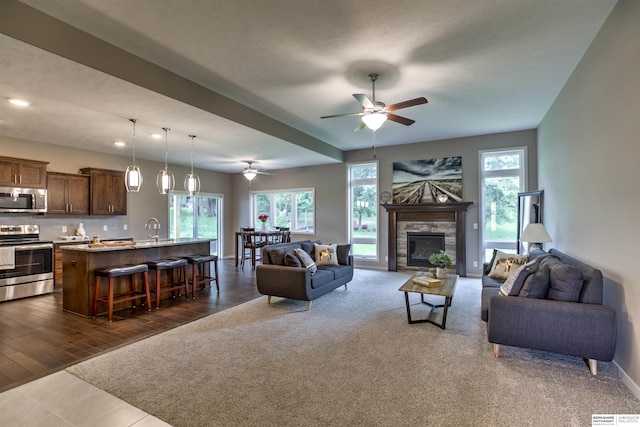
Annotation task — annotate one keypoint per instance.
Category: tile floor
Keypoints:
(63, 400)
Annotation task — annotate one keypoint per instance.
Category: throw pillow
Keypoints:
(277, 255)
(326, 254)
(343, 254)
(514, 282)
(505, 263)
(487, 268)
(536, 285)
(290, 260)
(565, 283)
(305, 260)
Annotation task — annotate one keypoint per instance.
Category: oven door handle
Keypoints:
(32, 247)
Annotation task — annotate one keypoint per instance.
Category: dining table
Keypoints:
(265, 235)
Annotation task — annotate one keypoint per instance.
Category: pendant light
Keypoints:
(192, 181)
(133, 177)
(165, 181)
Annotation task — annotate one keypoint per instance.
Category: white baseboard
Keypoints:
(626, 379)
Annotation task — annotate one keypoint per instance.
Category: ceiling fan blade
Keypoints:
(401, 120)
(360, 126)
(364, 100)
(264, 173)
(409, 103)
(340, 115)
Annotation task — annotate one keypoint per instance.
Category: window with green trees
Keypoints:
(363, 209)
(195, 217)
(285, 208)
(502, 177)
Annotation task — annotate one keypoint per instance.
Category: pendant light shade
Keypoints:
(133, 177)
(192, 181)
(165, 180)
(374, 121)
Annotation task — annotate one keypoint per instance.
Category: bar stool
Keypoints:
(173, 266)
(198, 271)
(110, 299)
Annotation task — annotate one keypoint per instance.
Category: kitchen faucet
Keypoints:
(147, 226)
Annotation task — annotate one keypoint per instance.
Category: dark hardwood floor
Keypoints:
(37, 338)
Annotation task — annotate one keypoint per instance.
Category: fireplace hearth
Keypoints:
(420, 246)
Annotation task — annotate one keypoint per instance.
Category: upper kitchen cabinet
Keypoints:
(67, 194)
(23, 173)
(108, 194)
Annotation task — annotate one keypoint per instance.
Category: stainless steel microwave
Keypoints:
(25, 200)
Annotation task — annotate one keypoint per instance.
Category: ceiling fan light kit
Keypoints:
(132, 176)
(375, 113)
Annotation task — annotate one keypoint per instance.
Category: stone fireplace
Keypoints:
(442, 219)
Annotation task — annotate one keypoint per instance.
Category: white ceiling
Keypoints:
(484, 65)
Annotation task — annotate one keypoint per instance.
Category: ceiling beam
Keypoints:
(31, 26)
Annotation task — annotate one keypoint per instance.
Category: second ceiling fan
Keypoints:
(375, 113)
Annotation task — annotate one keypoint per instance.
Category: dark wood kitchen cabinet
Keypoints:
(107, 192)
(67, 194)
(23, 173)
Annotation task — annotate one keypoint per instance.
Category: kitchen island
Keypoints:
(79, 262)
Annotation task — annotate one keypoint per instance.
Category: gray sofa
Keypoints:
(275, 278)
(585, 328)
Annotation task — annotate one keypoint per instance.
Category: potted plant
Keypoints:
(442, 261)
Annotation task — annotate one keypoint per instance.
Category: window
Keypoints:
(363, 210)
(196, 217)
(286, 208)
(502, 177)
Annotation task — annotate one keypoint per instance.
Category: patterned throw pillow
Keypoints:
(504, 264)
(326, 254)
(306, 260)
(514, 282)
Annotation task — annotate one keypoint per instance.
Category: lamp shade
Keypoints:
(535, 233)
(374, 121)
(249, 174)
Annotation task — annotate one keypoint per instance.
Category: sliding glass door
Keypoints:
(196, 217)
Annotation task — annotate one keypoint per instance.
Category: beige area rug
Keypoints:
(352, 361)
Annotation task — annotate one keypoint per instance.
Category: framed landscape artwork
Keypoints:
(428, 181)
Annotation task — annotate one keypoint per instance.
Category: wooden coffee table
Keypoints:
(445, 290)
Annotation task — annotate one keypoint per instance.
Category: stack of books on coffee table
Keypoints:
(424, 280)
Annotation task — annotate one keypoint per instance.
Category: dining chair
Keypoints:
(251, 242)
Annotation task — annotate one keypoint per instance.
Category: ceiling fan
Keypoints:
(375, 113)
(250, 172)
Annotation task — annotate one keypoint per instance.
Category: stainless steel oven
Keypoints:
(26, 262)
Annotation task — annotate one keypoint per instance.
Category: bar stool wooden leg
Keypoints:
(147, 290)
(110, 301)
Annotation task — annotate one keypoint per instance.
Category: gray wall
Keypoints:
(588, 153)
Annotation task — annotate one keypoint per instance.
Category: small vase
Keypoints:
(441, 273)
(264, 226)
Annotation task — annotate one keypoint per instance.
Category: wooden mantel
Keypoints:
(449, 212)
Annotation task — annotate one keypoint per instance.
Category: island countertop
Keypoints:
(131, 245)
(80, 261)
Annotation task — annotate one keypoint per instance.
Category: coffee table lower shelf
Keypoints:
(445, 290)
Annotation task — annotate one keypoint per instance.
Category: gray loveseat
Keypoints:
(275, 278)
(538, 314)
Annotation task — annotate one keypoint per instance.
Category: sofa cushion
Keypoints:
(290, 260)
(565, 283)
(536, 285)
(322, 278)
(505, 263)
(305, 260)
(326, 254)
(514, 282)
(337, 270)
(343, 254)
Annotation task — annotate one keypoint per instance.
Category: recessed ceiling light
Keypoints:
(156, 136)
(119, 144)
(19, 102)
